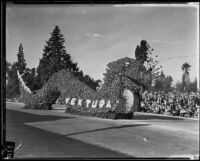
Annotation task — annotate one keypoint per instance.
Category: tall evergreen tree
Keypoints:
(167, 84)
(159, 82)
(8, 68)
(91, 82)
(30, 79)
(21, 64)
(192, 87)
(12, 86)
(163, 83)
(55, 57)
(143, 53)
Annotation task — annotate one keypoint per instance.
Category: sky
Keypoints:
(98, 34)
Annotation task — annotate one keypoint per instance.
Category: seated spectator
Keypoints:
(190, 111)
(171, 103)
(196, 114)
(162, 108)
(157, 109)
(168, 110)
(183, 111)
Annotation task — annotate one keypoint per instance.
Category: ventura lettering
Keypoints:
(91, 103)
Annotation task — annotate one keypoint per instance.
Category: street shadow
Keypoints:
(27, 117)
(153, 117)
(39, 143)
(108, 128)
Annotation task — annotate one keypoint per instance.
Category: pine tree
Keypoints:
(90, 81)
(12, 86)
(30, 79)
(167, 83)
(8, 68)
(21, 64)
(55, 57)
(143, 53)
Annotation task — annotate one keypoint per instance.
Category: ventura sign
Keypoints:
(91, 103)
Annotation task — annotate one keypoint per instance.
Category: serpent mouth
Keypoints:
(129, 100)
(131, 97)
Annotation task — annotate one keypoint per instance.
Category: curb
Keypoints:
(62, 108)
(161, 115)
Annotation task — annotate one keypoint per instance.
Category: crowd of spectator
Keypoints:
(171, 103)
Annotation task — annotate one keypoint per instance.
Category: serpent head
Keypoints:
(127, 72)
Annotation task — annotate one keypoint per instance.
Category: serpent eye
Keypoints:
(127, 64)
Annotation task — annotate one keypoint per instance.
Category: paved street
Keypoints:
(43, 133)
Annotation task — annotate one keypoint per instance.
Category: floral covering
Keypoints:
(122, 74)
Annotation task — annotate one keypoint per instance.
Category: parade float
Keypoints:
(118, 97)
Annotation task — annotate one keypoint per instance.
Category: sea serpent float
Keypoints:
(118, 97)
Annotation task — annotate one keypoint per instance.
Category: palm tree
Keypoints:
(185, 78)
(186, 67)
